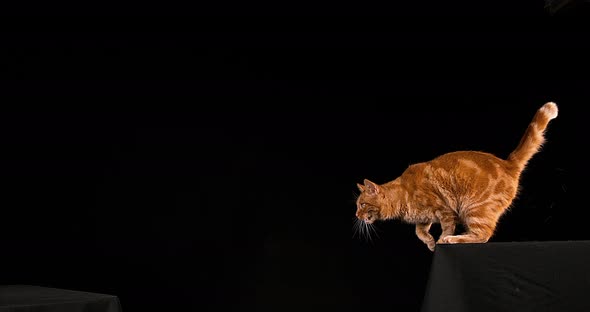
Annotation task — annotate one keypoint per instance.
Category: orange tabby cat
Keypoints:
(470, 187)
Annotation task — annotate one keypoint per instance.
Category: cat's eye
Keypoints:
(363, 205)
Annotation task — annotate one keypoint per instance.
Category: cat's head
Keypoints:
(369, 202)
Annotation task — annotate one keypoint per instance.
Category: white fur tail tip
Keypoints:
(550, 109)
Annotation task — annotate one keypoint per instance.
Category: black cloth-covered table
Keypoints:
(21, 298)
(515, 276)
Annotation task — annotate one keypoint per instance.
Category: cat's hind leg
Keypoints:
(480, 223)
(448, 222)
(422, 231)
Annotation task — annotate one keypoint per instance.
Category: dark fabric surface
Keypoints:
(517, 276)
(568, 7)
(16, 298)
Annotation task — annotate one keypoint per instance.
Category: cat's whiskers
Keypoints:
(374, 229)
(356, 227)
(370, 230)
(362, 229)
(365, 231)
(360, 226)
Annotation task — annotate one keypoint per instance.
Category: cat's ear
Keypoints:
(371, 188)
(361, 187)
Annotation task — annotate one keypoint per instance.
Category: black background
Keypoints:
(207, 169)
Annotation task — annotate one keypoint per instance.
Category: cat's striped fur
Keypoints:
(473, 188)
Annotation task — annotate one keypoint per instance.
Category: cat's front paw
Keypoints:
(445, 240)
(453, 239)
(431, 246)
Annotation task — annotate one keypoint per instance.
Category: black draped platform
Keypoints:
(21, 298)
(517, 276)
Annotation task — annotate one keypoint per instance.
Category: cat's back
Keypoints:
(480, 158)
(461, 175)
(460, 164)
(470, 163)
(465, 166)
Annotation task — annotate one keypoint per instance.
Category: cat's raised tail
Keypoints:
(534, 136)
